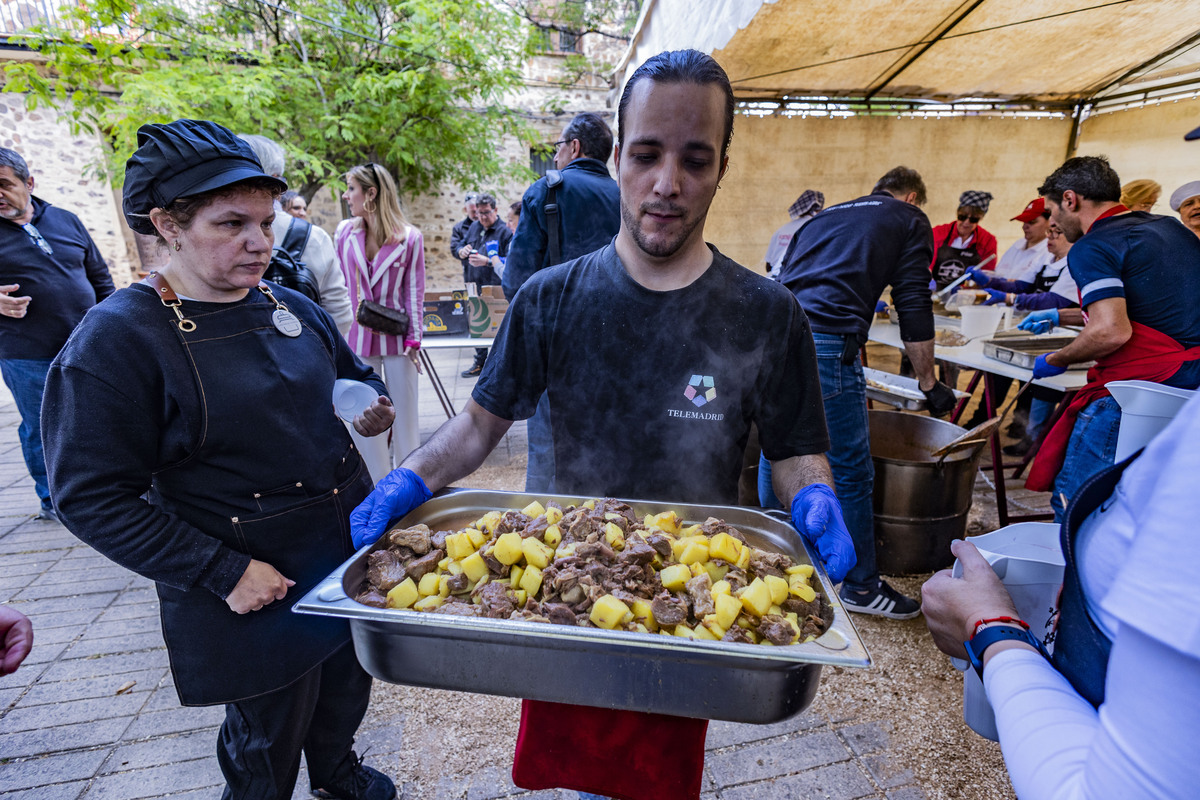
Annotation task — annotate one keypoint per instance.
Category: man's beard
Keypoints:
(663, 248)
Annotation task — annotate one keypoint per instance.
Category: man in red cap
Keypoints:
(1030, 251)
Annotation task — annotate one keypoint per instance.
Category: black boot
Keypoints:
(353, 780)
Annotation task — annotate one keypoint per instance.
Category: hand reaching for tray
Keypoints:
(817, 515)
(398, 493)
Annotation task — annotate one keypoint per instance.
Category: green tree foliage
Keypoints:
(418, 85)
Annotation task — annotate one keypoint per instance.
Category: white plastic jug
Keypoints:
(1146, 408)
(1029, 561)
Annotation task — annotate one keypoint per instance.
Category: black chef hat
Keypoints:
(182, 158)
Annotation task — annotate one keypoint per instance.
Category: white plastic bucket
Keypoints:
(1146, 408)
(1029, 561)
(980, 321)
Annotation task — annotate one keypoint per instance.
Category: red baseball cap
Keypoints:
(1035, 209)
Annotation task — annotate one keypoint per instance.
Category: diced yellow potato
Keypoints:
(677, 547)
(804, 592)
(489, 521)
(791, 618)
(745, 622)
(553, 535)
(696, 552)
(715, 571)
(536, 554)
(614, 536)
(443, 586)
(553, 515)
(508, 548)
(428, 603)
(675, 577)
(476, 536)
(403, 594)
(756, 598)
(805, 570)
(684, 631)
(514, 576)
(644, 614)
(727, 609)
(444, 564)
(608, 612)
(589, 504)
(697, 569)
(642, 628)
(722, 587)
(667, 521)
(648, 521)
(566, 550)
(522, 597)
(797, 580)
(429, 584)
(531, 579)
(776, 610)
(743, 561)
(454, 568)
(612, 516)
(459, 546)
(724, 547)
(534, 510)
(778, 587)
(704, 632)
(713, 625)
(474, 566)
(690, 530)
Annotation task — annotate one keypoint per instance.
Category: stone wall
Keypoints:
(60, 164)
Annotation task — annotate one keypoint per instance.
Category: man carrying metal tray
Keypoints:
(657, 353)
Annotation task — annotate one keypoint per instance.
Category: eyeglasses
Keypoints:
(965, 217)
(559, 143)
(38, 239)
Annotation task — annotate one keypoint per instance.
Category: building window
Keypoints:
(541, 159)
(568, 42)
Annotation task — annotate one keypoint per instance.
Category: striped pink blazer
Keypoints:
(395, 278)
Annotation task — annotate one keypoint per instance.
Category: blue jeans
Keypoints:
(1091, 448)
(26, 379)
(539, 472)
(844, 390)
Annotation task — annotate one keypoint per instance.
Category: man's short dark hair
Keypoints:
(486, 200)
(681, 66)
(12, 159)
(594, 135)
(901, 181)
(1090, 177)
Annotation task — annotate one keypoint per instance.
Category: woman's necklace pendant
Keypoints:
(286, 322)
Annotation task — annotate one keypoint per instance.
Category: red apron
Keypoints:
(623, 754)
(1148, 356)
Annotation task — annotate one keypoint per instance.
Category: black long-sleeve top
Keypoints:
(840, 262)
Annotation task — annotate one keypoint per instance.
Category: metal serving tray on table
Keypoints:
(897, 391)
(1022, 351)
(589, 666)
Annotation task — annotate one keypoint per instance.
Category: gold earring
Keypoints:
(369, 205)
(178, 246)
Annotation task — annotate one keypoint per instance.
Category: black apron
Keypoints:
(951, 262)
(1042, 282)
(1080, 647)
(274, 475)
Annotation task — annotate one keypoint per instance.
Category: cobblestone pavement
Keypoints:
(93, 714)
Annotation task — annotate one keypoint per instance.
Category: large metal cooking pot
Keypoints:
(921, 503)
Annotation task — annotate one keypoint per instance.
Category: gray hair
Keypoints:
(270, 155)
(12, 159)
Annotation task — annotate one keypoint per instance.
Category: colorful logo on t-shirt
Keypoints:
(700, 390)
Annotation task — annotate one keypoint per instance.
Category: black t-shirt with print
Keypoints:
(652, 393)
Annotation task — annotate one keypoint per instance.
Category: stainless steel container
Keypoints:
(1022, 351)
(920, 503)
(588, 666)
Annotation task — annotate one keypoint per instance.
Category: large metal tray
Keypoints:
(897, 390)
(589, 666)
(1022, 351)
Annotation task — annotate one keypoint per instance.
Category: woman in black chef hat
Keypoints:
(190, 437)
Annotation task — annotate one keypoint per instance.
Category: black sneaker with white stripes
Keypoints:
(883, 601)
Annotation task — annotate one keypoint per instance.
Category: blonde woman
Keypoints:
(1141, 195)
(383, 258)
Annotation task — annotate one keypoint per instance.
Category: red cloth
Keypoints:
(623, 754)
(1147, 356)
(984, 242)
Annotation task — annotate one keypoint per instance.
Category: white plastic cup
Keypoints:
(351, 398)
(980, 321)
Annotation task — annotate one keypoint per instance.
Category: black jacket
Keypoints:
(477, 236)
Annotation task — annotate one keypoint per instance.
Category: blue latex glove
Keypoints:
(398, 493)
(1041, 369)
(880, 307)
(932, 285)
(1040, 321)
(980, 277)
(995, 296)
(817, 515)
